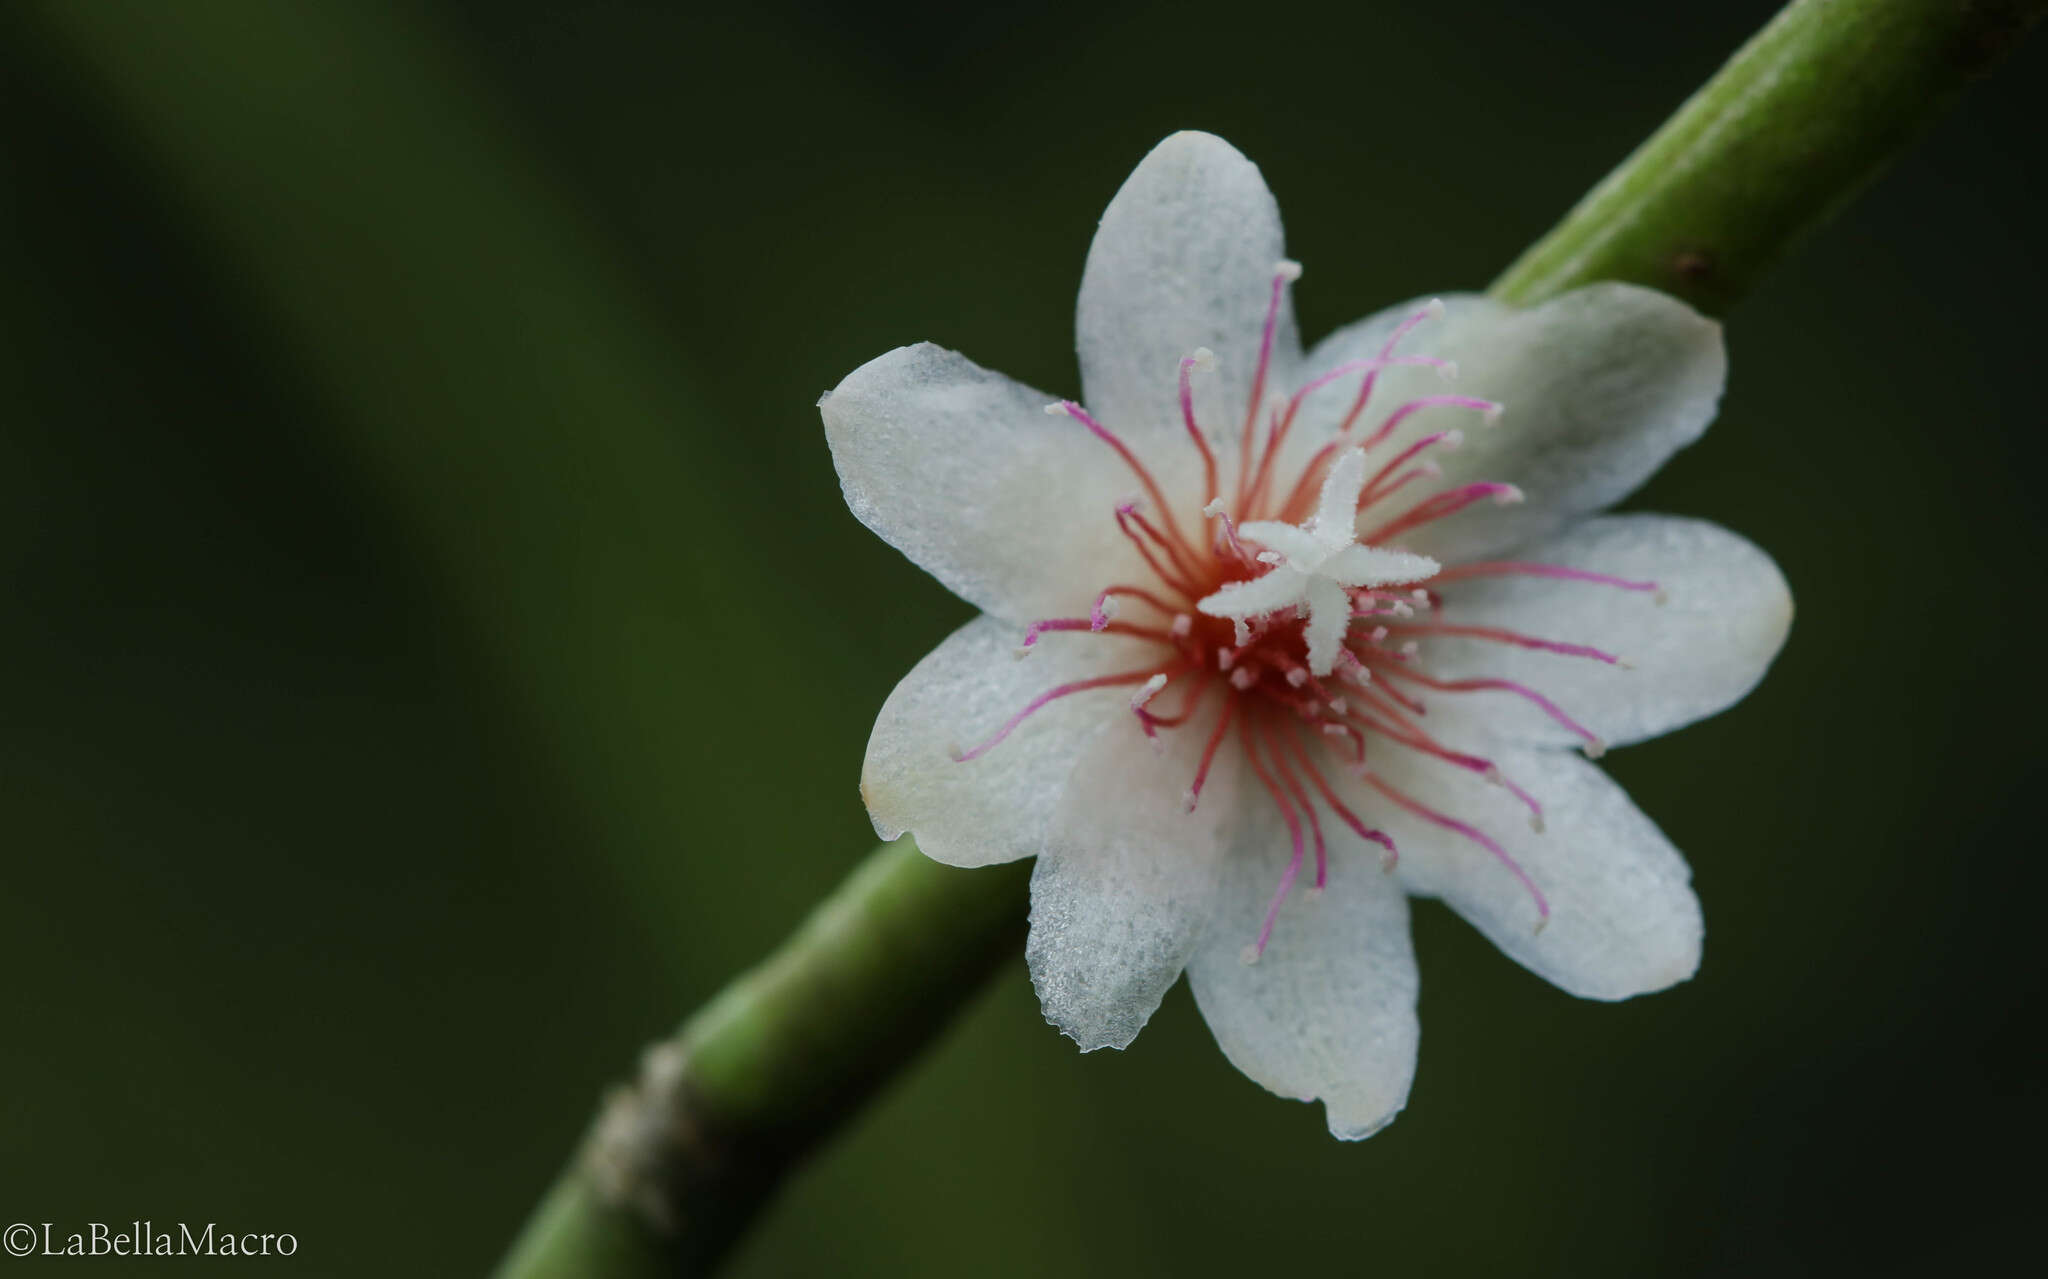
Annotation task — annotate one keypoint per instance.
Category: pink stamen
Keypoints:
(1172, 546)
(1349, 732)
(1499, 778)
(1438, 506)
(1366, 495)
(1420, 742)
(1293, 829)
(1284, 421)
(1412, 407)
(1124, 514)
(1502, 636)
(1282, 275)
(1401, 330)
(1187, 417)
(1230, 538)
(1548, 707)
(1427, 471)
(1344, 814)
(1477, 836)
(1052, 695)
(1033, 631)
(1109, 437)
(1373, 692)
(1099, 608)
(1315, 826)
(1526, 568)
(1188, 704)
(1194, 794)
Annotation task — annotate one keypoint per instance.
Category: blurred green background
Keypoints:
(434, 653)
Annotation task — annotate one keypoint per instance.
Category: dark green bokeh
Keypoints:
(308, 927)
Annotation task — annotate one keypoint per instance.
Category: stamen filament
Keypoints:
(1500, 635)
(1479, 837)
(1052, 695)
(1293, 870)
(1109, 437)
(1308, 810)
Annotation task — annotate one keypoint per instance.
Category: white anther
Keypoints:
(1401, 609)
(1203, 358)
(1335, 730)
(1338, 706)
(1430, 468)
(1448, 370)
(1452, 439)
(1188, 799)
(1215, 508)
(1241, 631)
(1491, 416)
(1661, 598)
(1270, 557)
(1595, 749)
(1624, 663)
(1508, 496)
(1287, 269)
(1378, 633)
(1419, 595)
(1435, 308)
(1249, 955)
(1410, 649)
(1243, 678)
(1147, 691)
(1020, 652)
(1225, 659)
(1182, 624)
(1057, 409)
(1298, 676)
(1542, 921)
(1108, 607)
(1536, 822)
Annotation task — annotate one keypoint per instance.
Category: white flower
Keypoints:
(1277, 625)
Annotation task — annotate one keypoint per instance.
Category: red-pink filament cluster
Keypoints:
(1221, 677)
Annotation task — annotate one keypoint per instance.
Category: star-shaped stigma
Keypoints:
(1315, 567)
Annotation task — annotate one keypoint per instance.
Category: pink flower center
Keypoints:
(1251, 679)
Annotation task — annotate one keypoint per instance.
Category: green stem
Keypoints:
(1784, 135)
(771, 1066)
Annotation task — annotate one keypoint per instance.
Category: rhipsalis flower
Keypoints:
(1303, 635)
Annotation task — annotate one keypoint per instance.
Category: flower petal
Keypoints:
(1329, 1010)
(1725, 613)
(963, 471)
(995, 808)
(1184, 258)
(1127, 881)
(1600, 386)
(1623, 917)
